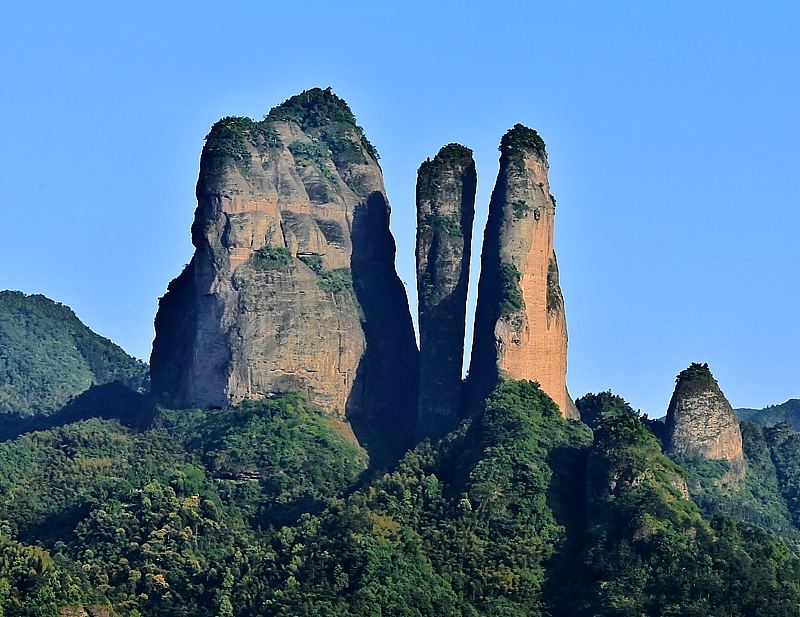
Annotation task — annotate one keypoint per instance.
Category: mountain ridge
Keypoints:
(788, 411)
(236, 488)
(47, 356)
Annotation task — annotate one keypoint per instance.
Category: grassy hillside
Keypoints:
(48, 356)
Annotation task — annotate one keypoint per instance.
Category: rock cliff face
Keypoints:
(445, 212)
(700, 420)
(520, 324)
(292, 285)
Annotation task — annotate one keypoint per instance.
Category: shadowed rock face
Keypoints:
(520, 324)
(445, 212)
(292, 285)
(700, 420)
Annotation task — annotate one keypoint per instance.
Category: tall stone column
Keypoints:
(520, 323)
(445, 213)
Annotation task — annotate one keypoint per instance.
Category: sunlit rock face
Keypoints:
(520, 322)
(292, 285)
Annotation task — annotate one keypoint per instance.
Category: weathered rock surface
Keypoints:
(520, 324)
(292, 285)
(700, 420)
(445, 213)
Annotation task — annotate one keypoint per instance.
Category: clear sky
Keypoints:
(672, 130)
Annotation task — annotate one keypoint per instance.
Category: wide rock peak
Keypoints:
(292, 285)
(700, 420)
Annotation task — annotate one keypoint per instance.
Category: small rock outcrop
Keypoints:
(701, 421)
(292, 285)
(520, 323)
(445, 213)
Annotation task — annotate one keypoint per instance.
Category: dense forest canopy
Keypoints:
(265, 509)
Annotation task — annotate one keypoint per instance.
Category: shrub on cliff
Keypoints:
(321, 112)
(272, 257)
(511, 301)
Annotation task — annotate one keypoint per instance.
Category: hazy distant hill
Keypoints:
(788, 412)
(48, 356)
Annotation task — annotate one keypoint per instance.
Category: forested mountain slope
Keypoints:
(48, 356)
(265, 509)
(788, 412)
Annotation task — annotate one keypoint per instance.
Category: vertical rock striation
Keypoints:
(292, 285)
(445, 212)
(700, 420)
(520, 324)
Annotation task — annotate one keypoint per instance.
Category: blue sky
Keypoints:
(672, 130)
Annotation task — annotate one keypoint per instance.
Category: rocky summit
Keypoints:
(292, 286)
(290, 318)
(701, 421)
(445, 212)
(520, 323)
